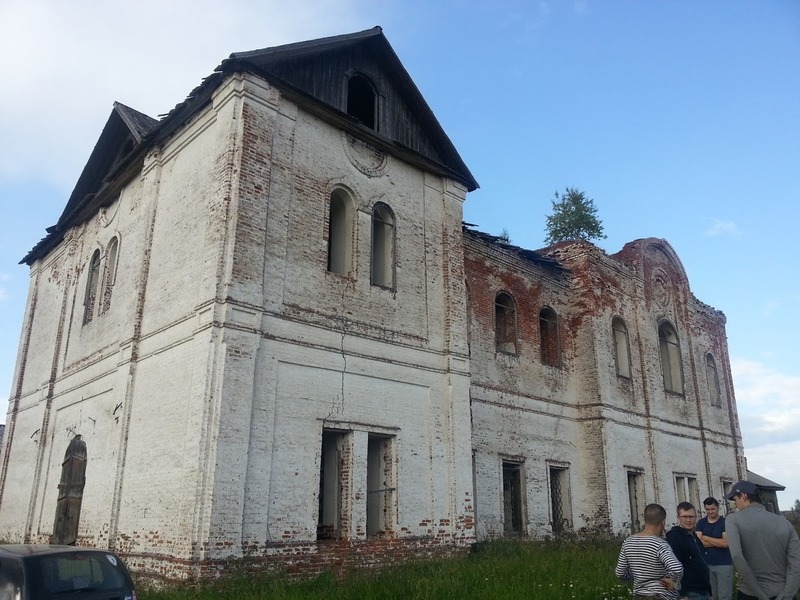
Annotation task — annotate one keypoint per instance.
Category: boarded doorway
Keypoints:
(70, 493)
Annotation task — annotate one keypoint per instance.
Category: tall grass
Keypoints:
(504, 570)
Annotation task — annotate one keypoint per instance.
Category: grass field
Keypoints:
(496, 570)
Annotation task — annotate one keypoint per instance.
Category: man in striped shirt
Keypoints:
(647, 559)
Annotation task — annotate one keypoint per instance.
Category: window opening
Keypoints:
(380, 485)
(70, 493)
(92, 282)
(361, 100)
(727, 484)
(636, 499)
(334, 469)
(560, 510)
(111, 273)
(383, 242)
(505, 324)
(512, 497)
(694, 491)
(687, 490)
(621, 347)
(713, 381)
(670, 358)
(340, 233)
(549, 339)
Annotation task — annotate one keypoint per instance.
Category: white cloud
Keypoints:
(769, 416)
(719, 227)
(769, 411)
(779, 463)
(69, 61)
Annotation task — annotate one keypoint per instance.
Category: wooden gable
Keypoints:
(116, 150)
(322, 70)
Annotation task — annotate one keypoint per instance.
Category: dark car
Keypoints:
(42, 572)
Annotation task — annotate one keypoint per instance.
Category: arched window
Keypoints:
(111, 273)
(383, 242)
(622, 357)
(714, 393)
(362, 100)
(340, 233)
(505, 324)
(549, 338)
(670, 358)
(92, 283)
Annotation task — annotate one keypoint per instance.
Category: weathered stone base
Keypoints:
(301, 560)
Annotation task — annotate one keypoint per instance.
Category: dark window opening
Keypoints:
(512, 497)
(361, 100)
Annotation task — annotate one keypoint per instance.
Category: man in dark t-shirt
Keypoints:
(711, 532)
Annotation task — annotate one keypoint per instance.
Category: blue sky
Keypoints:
(681, 119)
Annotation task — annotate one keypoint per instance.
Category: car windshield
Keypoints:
(80, 572)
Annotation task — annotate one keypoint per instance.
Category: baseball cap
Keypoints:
(742, 487)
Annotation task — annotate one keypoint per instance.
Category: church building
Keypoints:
(260, 328)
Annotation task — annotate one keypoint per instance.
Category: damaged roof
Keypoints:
(313, 74)
(531, 256)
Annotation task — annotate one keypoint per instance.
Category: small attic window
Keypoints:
(361, 100)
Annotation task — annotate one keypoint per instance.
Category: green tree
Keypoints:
(794, 515)
(574, 218)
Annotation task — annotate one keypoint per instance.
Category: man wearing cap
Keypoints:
(764, 547)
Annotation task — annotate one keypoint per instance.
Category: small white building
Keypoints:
(260, 329)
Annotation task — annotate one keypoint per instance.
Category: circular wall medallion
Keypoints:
(662, 287)
(370, 161)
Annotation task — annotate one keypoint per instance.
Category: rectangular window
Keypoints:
(334, 472)
(686, 489)
(636, 499)
(380, 485)
(560, 507)
(694, 492)
(512, 497)
(727, 505)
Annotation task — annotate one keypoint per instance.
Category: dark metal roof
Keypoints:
(124, 133)
(305, 48)
(113, 155)
(283, 65)
(138, 123)
(763, 482)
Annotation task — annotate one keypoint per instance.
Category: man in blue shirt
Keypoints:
(711, 532)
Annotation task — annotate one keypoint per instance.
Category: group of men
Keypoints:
(696, 560)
